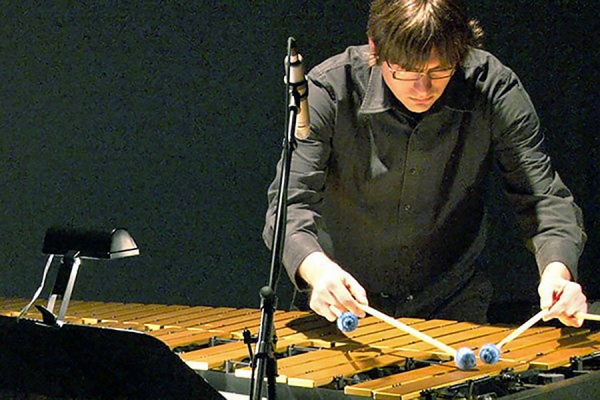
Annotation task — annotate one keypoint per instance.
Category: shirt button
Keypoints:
(407, 207)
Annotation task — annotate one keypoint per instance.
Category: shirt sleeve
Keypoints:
(545, 209)
(307, 180)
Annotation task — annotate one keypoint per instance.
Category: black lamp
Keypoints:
(92, 244)
(72, 245)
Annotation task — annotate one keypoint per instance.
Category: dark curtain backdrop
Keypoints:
(166, 118)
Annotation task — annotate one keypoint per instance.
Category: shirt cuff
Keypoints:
(298, 246)
(561, 251)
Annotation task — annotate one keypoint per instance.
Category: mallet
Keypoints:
(490, 353)
(347, 322)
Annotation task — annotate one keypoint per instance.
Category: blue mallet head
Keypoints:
(465, 358)
(489, 353)
(347, 322)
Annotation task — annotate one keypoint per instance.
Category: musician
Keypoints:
(386, 194)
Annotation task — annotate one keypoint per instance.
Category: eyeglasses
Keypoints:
(415, 75)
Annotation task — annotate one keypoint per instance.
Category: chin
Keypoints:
(419, 108)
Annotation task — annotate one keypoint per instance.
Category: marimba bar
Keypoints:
(321, 357)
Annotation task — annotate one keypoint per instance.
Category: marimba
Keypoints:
(373, 361)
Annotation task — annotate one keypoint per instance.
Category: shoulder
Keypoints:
(478, 57)
(345, 69)
(494, 83)
(487, 73)
(353, 57)
(500, 94)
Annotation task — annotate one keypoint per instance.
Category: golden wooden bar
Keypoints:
(318, 355)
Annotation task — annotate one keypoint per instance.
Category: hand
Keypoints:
(331, 286)
(562, 297)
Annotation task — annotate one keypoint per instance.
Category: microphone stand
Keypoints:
(264, 362)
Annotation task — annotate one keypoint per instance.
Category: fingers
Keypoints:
(547, 300)
(550, 291)
(331, 313)
(564, 299)
(357, 295)
(571, 321)
(324, 308)
(336, 293)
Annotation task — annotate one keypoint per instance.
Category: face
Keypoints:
(420, 95)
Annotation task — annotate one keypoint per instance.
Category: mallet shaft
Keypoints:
(528, 324)
(407, 329)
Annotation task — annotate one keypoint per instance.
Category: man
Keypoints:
(386, 195)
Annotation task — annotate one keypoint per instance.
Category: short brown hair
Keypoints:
(406, 31)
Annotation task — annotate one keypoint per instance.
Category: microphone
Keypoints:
(298, 81)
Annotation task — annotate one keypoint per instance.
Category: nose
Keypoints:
(423, 84)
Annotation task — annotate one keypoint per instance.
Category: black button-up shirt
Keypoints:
(397, 199)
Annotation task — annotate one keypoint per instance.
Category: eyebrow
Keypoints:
(440, 68)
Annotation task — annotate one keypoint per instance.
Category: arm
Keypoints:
(544, 206)
(306, 263)
(308, 172)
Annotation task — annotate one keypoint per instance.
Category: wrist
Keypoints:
(314, 266)
(556, 270)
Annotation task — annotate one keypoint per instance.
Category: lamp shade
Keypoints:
(93, 244)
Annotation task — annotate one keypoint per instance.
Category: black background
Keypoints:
(166, 118)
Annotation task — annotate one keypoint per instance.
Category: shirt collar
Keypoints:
(378, 98)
